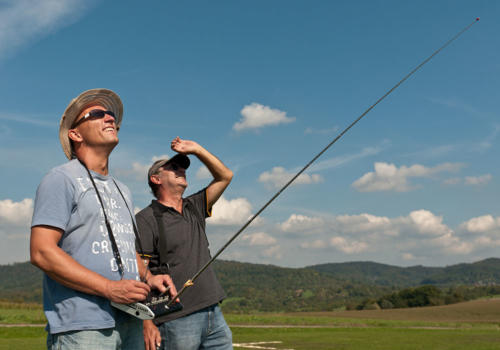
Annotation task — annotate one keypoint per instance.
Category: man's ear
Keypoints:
(74, 135)
(154, 179)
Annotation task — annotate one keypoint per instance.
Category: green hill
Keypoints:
(485, 272)
(314, 288)
(273, 288)
(21, 282)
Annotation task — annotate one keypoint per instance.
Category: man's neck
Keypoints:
(97, 162)
(173, 200)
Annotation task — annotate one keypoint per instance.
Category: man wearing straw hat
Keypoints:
(82, 235)
(172, 230)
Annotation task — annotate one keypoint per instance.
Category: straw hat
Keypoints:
(104, 97)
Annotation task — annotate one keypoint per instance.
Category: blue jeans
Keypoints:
(205, 329)
(127, 335)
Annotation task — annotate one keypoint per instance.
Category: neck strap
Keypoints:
(114, 246)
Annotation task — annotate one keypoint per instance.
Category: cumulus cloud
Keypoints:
(348, 247)
(364, 223)
(231, 212)
(301, 223)
(419, 232)
(23, 21)
(418, 237)
(259, 238)
(425, 222)
(16, 214)
(316, 244)
(481, 224)
(388, 177)
(279, 176)
(15, 220)
(417, 222)
(256, 116)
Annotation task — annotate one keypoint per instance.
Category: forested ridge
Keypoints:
(324, 287)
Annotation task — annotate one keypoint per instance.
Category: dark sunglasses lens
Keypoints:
(99, 113)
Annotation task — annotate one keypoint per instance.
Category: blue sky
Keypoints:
(265, 85)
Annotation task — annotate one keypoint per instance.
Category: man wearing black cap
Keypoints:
(82, 235)
(172, 229)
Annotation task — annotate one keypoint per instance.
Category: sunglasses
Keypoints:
(94, 114)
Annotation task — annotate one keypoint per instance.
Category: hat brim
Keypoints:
(180, 159)
(103, 97)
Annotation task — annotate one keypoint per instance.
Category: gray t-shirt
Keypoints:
(187, 251)
(66, 199)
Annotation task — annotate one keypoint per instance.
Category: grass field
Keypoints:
(473, 325)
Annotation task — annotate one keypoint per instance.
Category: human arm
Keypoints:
(222, 175)
(159, 282)
(61, 267)
(152, 337)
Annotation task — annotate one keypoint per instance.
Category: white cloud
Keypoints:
(259, 238)
(316, 244)
(408, 256)
(231, 212)
(388, 177)
(16, 214)
(419, 232)
(256, 116)
(348, 247)
(274, 252)
(139, 171)
(23, 21)
(278, 177)
(203, 173)
(301, 223)
(363, 223)
(15, 221)
(418, 237)
(478, 180)
(155, 158)
(481, 224)
(425, 222)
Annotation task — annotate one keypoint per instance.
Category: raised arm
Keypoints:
(222, 175)
(48, 256)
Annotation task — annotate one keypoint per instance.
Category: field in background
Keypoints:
(14, 313)
(472, 325)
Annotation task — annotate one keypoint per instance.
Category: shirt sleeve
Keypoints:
(54, 201)
(147, 228)
(199, 201)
